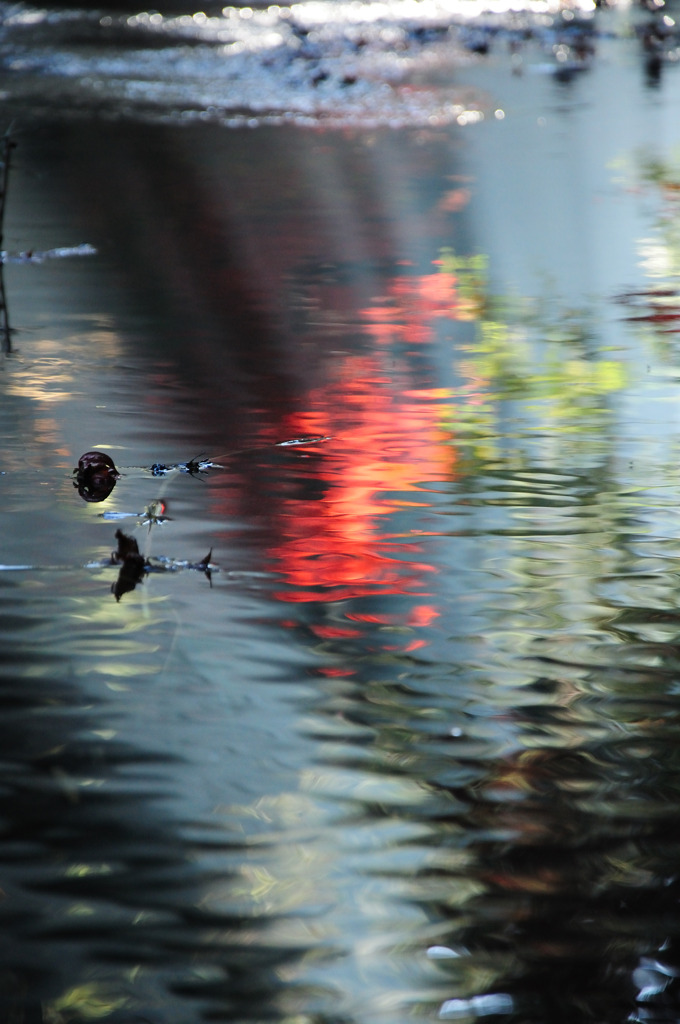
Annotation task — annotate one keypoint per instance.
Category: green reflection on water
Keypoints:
(549, 366)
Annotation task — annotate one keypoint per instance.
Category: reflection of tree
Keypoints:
(540, 812)
(655, 309)
(548, 364)
(413, 303)
(528, 805)
(386, 441)
(562, 910)
(454, 828)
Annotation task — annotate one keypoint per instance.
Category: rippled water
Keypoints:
(408, 749)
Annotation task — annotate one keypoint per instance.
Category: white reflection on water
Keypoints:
(370, 64)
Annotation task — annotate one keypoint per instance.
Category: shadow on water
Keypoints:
(412, 754)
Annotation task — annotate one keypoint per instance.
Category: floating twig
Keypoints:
(6, 146)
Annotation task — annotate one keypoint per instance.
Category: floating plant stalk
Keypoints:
(6, 146)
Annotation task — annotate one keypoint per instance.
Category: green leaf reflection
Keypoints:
(544, 359)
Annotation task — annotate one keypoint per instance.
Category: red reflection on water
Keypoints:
(411, 304)
(420, 615)
(334, 632)
(386, 442)
(413, 645)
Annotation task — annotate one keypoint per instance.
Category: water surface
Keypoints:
(408, 749)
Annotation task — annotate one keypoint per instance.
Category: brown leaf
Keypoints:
(95, 476)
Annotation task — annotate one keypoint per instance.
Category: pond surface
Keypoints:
(384, 725)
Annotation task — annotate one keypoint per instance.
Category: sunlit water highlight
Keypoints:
(332, 63)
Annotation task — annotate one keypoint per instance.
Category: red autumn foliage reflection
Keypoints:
(420, 615)
(386, 442)
(409, 307)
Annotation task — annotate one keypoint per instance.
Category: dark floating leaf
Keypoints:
(205, 567)
(195, 466)
(127, 548)
(132, 565)
(97, 462)
(95, 476)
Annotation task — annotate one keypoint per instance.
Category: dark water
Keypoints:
(409, 749)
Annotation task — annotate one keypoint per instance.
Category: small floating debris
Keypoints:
(193, 467)
(134, 566)
(307, 439)
(40, 256)
(96, 460)
(206, 566)
(199, 465)
(95, 476)
(115, 516)
(153, 514)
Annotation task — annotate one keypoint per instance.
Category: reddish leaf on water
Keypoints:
(96, 462)
(95, 476)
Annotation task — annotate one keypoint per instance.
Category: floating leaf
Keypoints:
(132, 565)
(95, 476)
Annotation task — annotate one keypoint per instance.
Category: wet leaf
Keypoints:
(95, 476)
(205, 567)
(127, 547)
(132, 565)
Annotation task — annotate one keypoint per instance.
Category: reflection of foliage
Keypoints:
(84, 1002)
(544, 359)
(661, 254)
(520, 355)
(656, 309)
(506, 357)
(411, 304)
(386, 441)
(471, 276)
(655, 171)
